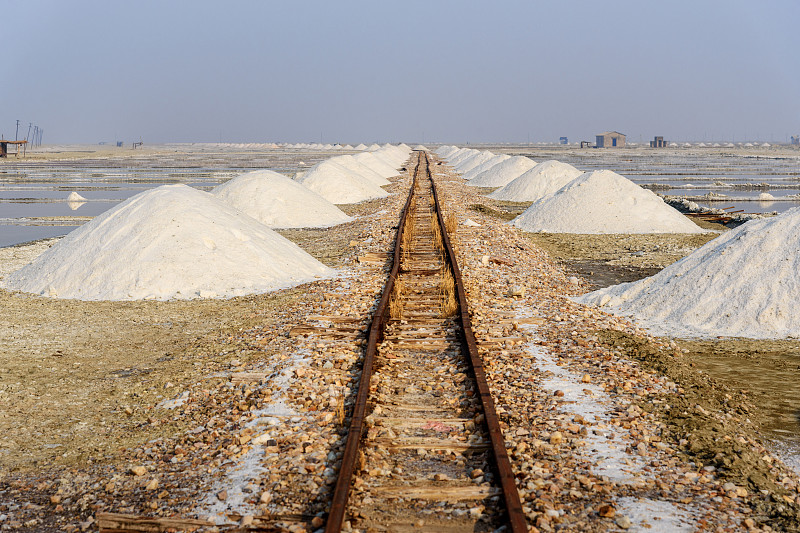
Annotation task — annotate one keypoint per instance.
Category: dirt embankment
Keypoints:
(712, 424)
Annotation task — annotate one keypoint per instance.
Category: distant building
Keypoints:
(659, 142)
(586, 144)
(563, 140)
(610, 139)
(796, 140)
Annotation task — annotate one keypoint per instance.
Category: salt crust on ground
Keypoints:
(742, 284)
(542, 180)
(278, 201)
(340, 185)
(171, 242)
(486, 165)
(602, 201)
(503, 173)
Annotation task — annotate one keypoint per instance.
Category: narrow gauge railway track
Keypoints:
(425, 451)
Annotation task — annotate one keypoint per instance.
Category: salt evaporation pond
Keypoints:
(31, 189)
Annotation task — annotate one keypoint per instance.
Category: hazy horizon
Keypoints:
(440, 72)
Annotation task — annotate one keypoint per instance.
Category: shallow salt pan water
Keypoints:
(31, 188)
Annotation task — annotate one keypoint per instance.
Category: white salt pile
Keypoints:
(765, 197)
(340, 185)
(351, 163)
(75, 200)
(486, 165)
(361, 146)
(278, 201)
(75, 197)
(503, 173)
(393, 154)
(377, 164)
(420, 148)
(742, 284)
(542, 180)
(372, 147)
(446, 151)
(172, 242)
(471, 162)
(462, 155)
(603, 202)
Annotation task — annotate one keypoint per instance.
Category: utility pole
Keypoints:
(16, 135)
(28, 136)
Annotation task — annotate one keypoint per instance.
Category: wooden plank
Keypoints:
(388, 421)
(415, 443)
(116, 522)
(437, 493)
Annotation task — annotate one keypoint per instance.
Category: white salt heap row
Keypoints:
(489, 163)
(482, 168)
(602, 201)
(742, 284)
(467, 164)
(169, 242)
(542, 180)
(278, 201)
(178, 242)
(503, 173)
(567, 200)
(352, 179)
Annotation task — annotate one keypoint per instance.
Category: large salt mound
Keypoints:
(486, 165)
(278, 201)
(603, 202)
(742, 284)
(361, 146)
(503, 173)
(542, 180)
(377, 164)
(472, 162)
(169, 242)
(339, 185)
(446, 151)
(392, 155)
(351, 163)
(462, 155)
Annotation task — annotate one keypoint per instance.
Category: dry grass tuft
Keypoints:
(451, 224)
(437, 232)
(448, 305)
(395, 299)
(407, 239)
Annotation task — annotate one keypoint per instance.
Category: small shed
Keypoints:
(610, 139)
(4, 146)
(659, 142)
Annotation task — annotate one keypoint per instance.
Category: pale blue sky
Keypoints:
(451, 71)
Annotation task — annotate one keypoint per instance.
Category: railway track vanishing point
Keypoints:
(425, 450)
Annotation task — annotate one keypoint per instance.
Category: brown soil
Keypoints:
(729, 442)
(83, 379)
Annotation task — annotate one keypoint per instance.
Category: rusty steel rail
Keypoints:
(505, 473)
(516, 516)
(342, 490)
